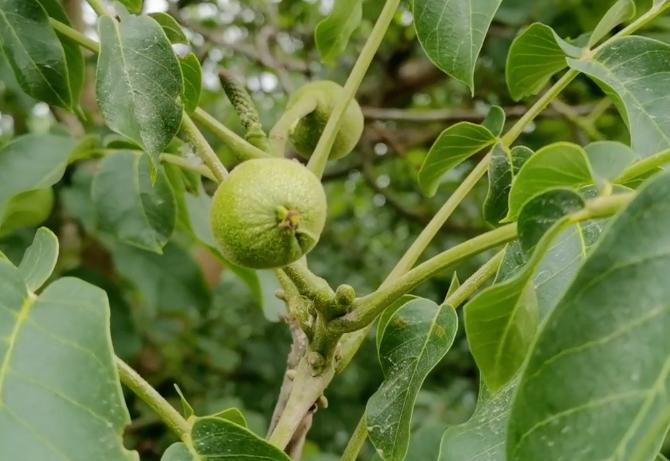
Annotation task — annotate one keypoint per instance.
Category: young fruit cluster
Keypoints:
(268, 213)
(306, 133)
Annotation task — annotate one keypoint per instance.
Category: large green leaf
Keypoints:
(59, 389)
(452, 33)
(633, 71)
(39, 259)
(454, 145)
(172, 283)
(416, 338)
(34, 51)
(74, 59)
(557, 165)
(139, 82)
(501, 322)
(332, 33)
(129, 206)
(32, 162)
(534, 57)
(608, 159)
(600, 366)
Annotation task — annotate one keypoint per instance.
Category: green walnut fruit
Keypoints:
(268, 213)
(305, 134)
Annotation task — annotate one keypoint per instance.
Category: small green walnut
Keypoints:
(305, 134)
(268, 213)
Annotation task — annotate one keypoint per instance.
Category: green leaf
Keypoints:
(501, 321)
(608, 159)
(139, 82)
(127, 204)
(557, 165)
(620, 12)
(172, 283)
(452, 33)
(178, 451)
(134, 6)
(40, 258)
(495, 120)
(536, 55)
(504, 165)
(482, 437)
(541, 212)
(190, 68)
(57, 374)
(233, 415)
(454, 145)
(34, 52)
(613, 322)
(32, 162)
(386, 317)
(27, 209)
(332, 33)
(215, 438)
(171, 27)
(74, 59)
(416, 338)
(633, 71)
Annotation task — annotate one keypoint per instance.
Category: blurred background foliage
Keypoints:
(181, 318)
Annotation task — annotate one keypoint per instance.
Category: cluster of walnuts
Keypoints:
(269, 212)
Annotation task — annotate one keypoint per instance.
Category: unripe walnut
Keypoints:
(268, 213)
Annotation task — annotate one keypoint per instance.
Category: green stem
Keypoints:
(417, 248)
(475, 281)
(280, 132)
(202, 148)
(643, 167)
(310, 285)
(307, 389)
(318, 160)
(368, 307)
(99, 7)
(181, 162)
(356, 441)
(238, 145)
(133, 381)
(75, 35)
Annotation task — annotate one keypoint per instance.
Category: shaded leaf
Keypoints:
(27, 209)
(178, 451)
(134, 6)
(495, 120)
(32, 162)
(190, 67)
(557, 165)
(40, 258)
(454, 145)
(34, 52)
(599, 367)
(129, 206)
(52, 342)
(503, 166)
(633, 71)
(452, 33)
(416, 338)
(139, 82)
(332, 33)
(535, 56)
